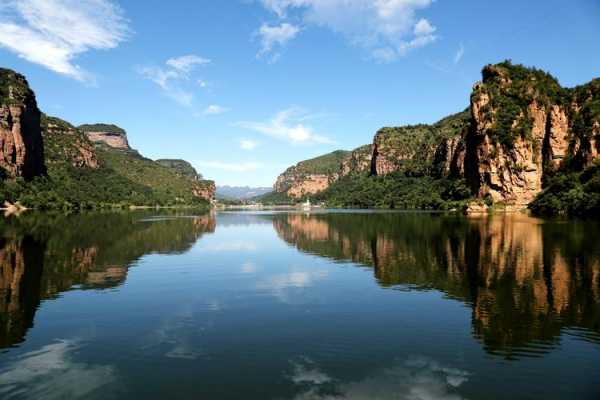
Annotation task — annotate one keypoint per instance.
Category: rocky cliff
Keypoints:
(521, 128)
(86, 167)
(310, 176)
(524, 127)
(65, 144)
(108, 134)
(417, 150)
(21, 145)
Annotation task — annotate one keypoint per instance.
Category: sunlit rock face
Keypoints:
(108, 134)
(523, 278)
(60, 258)
(21, 145)
(524, 126)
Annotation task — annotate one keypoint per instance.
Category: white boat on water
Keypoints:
(306, 206)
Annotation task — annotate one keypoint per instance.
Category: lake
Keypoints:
(289, 305)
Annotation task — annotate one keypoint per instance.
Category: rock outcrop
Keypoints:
(525, 126)
(520, 129)
(21, 144)
(108, 134)
(417, 150)
(205, 190)
(358, 161)
(310, 176)
(66, 144)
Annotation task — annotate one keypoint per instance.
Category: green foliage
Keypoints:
(325, 164)
(182, 167)
(14, 88)
(511, 89)
(412, 148)
(396, 191)
(574, 194)
(274, 198)
(121, 179)
(108, 128)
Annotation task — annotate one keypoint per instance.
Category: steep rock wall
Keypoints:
(21, 145)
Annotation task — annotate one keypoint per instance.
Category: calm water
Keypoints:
(298, 306)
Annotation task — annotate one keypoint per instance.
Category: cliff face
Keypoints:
(204, 189)
(108, 134)
(417, 150)
(310, 176)
(521, 128)
(21, 145)
(524, 127)
(65, 144)
(358, 161)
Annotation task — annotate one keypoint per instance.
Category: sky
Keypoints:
(244, 89)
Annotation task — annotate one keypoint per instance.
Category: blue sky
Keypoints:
(244, 89)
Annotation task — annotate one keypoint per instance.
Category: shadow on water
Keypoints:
(526, 280)
(43, 255)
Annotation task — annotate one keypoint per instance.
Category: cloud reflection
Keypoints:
(49, 373)
(418, 378)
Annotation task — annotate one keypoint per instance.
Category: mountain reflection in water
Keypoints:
(42, 256)
(287, 305)
(524, 279)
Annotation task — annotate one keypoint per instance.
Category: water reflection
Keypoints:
(415, 378)
(525, 280)
(42, 256)
(49, 373)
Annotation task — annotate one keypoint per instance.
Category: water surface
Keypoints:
(329, 305)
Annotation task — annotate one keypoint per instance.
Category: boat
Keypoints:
(306, 206)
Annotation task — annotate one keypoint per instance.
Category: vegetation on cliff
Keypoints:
(412, 149)
(182, 167)
(396, 191)
(83, 176)
(571, 194)
(107, 128)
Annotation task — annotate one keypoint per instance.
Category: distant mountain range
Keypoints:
(241, 192)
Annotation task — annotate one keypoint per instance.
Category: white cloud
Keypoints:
(232, 167)
(273, 37)
(247, 144)
(187, 63)
(202, 83)
(459, 54)
(287, 125)
(214, 109)
(52, 33)
(173, 75)
(387, 29)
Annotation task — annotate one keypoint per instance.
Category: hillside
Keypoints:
(182, 167)
(240, 192)
(64, 169)
(310, 176)
(521, 136)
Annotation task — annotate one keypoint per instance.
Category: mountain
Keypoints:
(109, 134)
(182, 167)
(240, 192)
(310, 176)
(21, 144)
(48, 163)
(522, 134)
